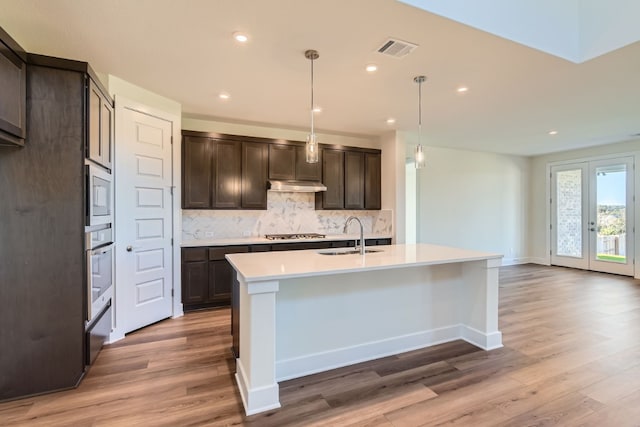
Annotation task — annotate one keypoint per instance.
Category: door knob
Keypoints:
(592, 229)
(129, 248)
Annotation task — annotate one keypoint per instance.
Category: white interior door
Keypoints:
(144, 271)
(592, 215)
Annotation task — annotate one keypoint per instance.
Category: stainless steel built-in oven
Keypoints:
(100, 269)
(99, 196)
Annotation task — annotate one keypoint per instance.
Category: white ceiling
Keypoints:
(184, 51)
(576, 30)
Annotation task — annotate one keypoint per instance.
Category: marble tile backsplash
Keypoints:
(286, 213)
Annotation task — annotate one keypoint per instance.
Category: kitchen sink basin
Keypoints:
(349, 251)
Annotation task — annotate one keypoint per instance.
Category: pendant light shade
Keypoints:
(419, 154)
(311, 147)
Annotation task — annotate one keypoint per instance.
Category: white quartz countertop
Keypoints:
(262, 266)
(255, 240)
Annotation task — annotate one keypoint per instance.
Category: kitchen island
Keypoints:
(303, 312)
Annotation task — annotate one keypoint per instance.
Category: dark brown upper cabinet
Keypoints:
(372, 180)
(353, 180)
(227, 166)
(100, 128)
(13, 91)
(223, 172)
(232, 172)
(289, 162)
(307, 171)
(282, 161)
(333, 179)
(254, 175)
(196, 173)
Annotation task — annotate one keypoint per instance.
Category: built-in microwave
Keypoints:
(99, 196)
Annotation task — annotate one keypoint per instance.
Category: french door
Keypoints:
(592, 215)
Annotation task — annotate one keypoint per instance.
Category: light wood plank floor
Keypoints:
(571, 357)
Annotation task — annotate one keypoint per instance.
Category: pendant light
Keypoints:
(312, 140)
(419, 154)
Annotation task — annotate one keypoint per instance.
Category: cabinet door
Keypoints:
(307, 171)
(353, 180)
(95, 107)
(13, 98)
(196, 173)
(372, 181)
(220, 282)
(333, 178)
(195, 279)
(106, 133)
(282, 161)
(226, 174)
(100, 138)
(254, 175)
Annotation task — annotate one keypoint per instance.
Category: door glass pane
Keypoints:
(569, 213)
(611, 220)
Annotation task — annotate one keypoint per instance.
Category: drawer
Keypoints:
(219, 252)
(194, 254)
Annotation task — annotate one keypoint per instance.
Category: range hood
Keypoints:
(297, 186)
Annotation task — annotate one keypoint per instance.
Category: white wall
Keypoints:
(393, 196)
(474, 200)
(538, 233)
(203, 125)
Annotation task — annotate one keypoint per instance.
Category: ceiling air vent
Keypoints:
(396, 48)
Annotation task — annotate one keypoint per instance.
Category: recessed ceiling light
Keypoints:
(462, 89)
(240, 37)
(553, 132)
(224, 96)
(391, 121)
(371, 68)
(317, 109)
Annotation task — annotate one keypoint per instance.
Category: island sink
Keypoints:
(346, 251)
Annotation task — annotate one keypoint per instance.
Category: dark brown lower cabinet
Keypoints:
(207, 277)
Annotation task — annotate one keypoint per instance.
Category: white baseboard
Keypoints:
(115, 335)
(540, 261)
(516, 261)
(318, 362)
(258, 399)
(480, 339)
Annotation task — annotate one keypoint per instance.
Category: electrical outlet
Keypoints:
(208, 234)
(246, 234)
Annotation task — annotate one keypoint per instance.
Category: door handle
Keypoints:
(592, 229)
(130, 248)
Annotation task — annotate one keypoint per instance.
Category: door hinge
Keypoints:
(550, 201)
(171, 292)
(550, 252)
(171, 139)
(172, 241)
(550, 226)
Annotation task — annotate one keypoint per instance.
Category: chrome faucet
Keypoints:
(346, 224)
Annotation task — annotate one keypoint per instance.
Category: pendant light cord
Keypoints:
(312, 96)
(419, 112)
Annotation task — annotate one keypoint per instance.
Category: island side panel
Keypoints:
(255, 368)
(326, 322)
(480, 308)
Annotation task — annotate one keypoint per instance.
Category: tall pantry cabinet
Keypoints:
(43, 294)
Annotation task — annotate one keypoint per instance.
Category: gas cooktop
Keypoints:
(294, 236)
